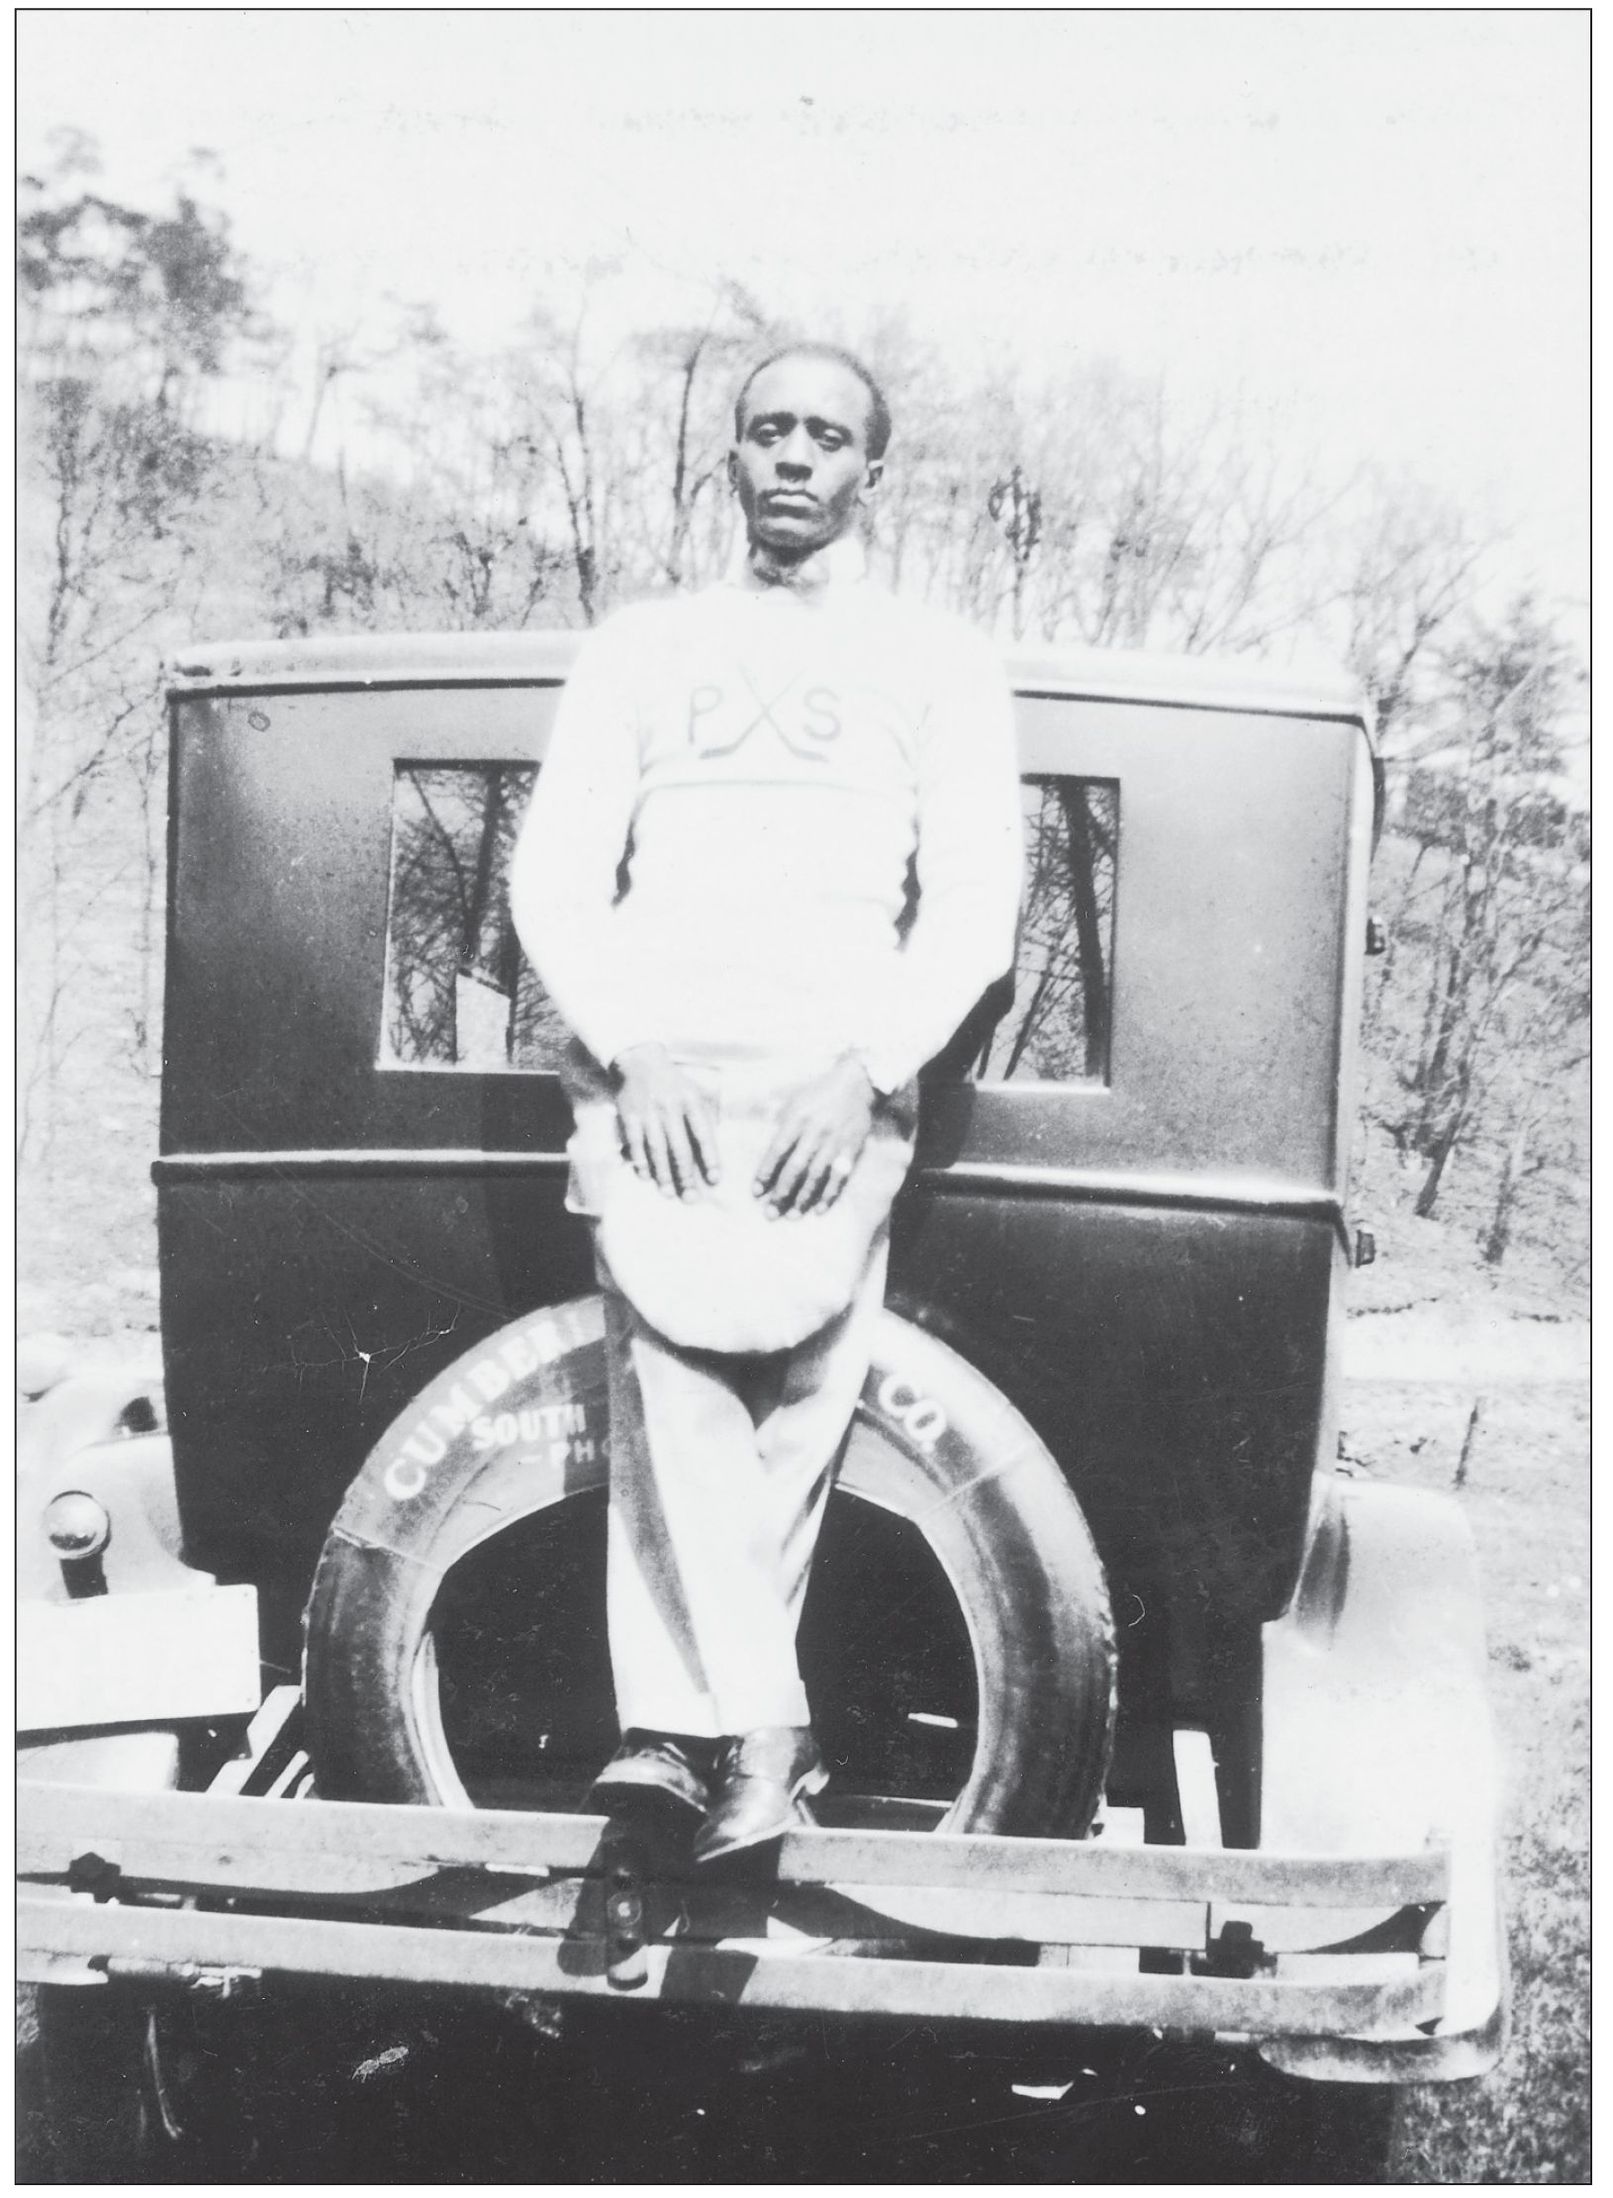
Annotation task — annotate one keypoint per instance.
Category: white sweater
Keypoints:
(717, 852)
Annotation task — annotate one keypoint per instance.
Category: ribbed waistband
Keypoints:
(734, 1076)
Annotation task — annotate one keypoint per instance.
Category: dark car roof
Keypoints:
(478, 659)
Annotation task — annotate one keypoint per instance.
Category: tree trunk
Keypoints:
(1443, 1146)
(1088, 926)
(1435, 1065)
(1513, 1169)
(475, 953)
(680, 469)
(1028, 1023)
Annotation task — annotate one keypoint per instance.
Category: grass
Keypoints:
(1526, 1496)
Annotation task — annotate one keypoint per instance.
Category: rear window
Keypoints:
(459, 993)
(1057, 1028)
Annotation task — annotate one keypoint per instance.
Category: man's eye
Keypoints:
(831, 439)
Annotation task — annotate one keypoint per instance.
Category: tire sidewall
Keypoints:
(521, 1422)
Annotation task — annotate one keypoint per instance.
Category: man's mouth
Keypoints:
(789, 499)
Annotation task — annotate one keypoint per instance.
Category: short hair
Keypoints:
(879, 412)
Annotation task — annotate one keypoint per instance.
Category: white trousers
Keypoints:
(720, 1469)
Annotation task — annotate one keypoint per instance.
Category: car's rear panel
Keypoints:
(1145, 1262)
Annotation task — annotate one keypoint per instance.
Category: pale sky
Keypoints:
(1373, 225)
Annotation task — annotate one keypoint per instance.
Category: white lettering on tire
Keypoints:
(921, 1419)
(397, 1480)
(561, 1423)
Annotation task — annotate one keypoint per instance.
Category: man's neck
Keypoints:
(835, 565)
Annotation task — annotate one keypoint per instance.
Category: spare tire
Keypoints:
(950, 1523)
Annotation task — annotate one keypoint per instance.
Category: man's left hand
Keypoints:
(818, 1141)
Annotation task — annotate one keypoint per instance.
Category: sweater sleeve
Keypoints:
(968, 862)
(563, 872)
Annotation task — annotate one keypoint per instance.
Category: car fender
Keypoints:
(102, 1432)
(131, 1636)
(1377, 1738)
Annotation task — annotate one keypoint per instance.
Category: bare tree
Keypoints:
(683, 405)
(1413, 567)
(1088, 510)
(1495, 914)
(126, 316)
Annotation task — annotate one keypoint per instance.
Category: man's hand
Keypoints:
(668, 1130)
(820, 1135)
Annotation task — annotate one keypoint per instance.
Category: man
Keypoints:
(771, 862)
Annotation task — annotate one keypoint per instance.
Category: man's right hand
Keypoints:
(669, 1131)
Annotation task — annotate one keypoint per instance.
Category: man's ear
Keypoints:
(733, 469)
(873, 474)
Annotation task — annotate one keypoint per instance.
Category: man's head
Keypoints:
(810, 429)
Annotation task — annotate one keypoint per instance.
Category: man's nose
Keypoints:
(792, 459)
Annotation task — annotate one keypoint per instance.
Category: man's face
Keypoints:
(801, 465)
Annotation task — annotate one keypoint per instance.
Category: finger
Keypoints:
(794, 1177)
(668, 1170)
(681, 1151)
(633, 1143)
(815, 1175)
(701, 1117)
(835, 1180)
(657, 1155)
(838, 1169)
(785, 1138)
(814, 1193)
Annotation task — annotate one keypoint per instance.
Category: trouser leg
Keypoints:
(720, 1469)
(804, 1411)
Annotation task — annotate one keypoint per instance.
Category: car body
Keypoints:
(1128, 1215)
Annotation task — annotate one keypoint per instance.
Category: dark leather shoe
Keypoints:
(758, 1789)
(656, 1763)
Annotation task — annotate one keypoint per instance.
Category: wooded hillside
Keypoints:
(177, 484)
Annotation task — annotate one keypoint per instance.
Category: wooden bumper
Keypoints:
(210, 1887)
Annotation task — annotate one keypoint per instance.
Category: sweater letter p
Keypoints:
(702, 702)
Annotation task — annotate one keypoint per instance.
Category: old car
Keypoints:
(1139, 1718)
